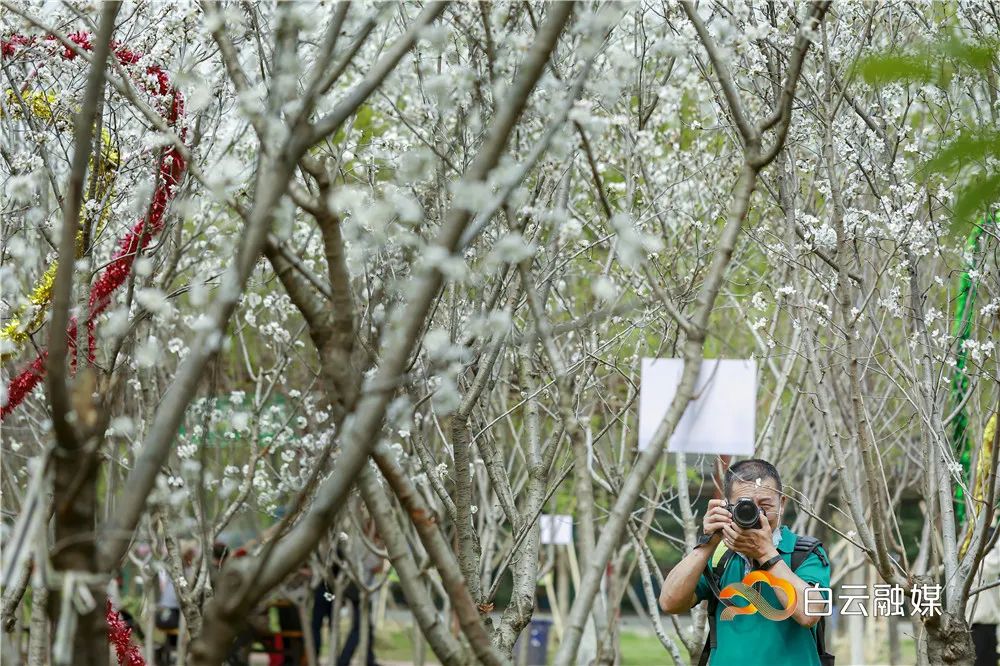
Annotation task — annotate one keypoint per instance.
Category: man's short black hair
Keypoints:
(750, 470)
(220, 551)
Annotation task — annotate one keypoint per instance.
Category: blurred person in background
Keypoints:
(323, 603)
(983, 609)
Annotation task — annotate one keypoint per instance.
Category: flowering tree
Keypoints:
(407, 257)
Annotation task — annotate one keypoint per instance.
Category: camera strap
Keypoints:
(714, 577)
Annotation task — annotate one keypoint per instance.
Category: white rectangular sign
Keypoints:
(556, 530)
(720, 420)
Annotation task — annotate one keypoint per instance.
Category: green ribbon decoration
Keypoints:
(961, 330)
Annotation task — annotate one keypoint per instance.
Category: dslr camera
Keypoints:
(745, 513)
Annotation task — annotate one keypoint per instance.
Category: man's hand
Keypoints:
(755, 544)
(716, 519)
(678, 594)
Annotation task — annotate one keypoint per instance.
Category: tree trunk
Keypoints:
(38, 640)
(893, 625)
(946, 639)
(74, 551)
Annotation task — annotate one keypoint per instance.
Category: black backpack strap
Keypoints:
(714, 575)
(804, 545)
(705, 651)
(825, 658)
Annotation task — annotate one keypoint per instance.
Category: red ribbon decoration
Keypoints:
(171, 169)
(120, 636)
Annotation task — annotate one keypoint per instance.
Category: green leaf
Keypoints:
(974, 199)
(364, 117)
(890, 68)
(966, 148)
(978, 56)
(930, 63)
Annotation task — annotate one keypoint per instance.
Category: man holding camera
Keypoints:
(727, 552)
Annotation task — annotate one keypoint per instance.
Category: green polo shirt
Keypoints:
(753, 640)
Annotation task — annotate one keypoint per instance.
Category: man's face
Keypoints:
(765, 496)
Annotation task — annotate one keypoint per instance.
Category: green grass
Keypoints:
(640, 649)
(394, 642)
(877, 652)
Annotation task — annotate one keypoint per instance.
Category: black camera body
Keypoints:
(745, 513)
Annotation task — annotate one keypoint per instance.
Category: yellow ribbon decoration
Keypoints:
(30, 316)
(981, 477)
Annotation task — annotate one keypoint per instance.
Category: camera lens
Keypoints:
(746, 514)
